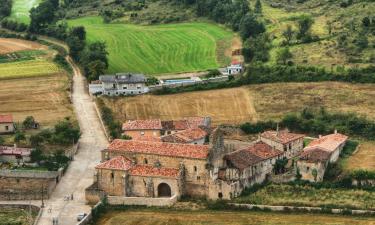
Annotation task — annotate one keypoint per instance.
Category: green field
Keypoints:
(170, 217)
(15, 217)
(21, 8)
(159, 49)
(28, 68)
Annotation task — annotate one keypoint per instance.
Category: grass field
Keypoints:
(356, 161)
(21, 9)
(158, 49)
(249, 103)
(276, 194)
(13, 217)
(169, 217)
(28, 68)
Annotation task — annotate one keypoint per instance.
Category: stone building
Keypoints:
(189, 136)
(7, 124)
(289, 143)
(312, 164)
(142, 128)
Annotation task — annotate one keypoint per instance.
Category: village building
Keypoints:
(120, 84)
(7, 124)
(289, 143)
(189, 136)
(233, 69)
(312, 164)
(332, 143)
(142, 128)
(14, 154)
(316, 156)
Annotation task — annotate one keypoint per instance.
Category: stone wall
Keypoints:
(93, 194)
(306, 170)
(115, 200)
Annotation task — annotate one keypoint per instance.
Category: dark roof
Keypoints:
(264, 150)
(124, 78)
(175, 125)
(242, 159)
(315, 155)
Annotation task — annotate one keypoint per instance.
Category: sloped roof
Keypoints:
(116, 163)
(160, 148)
(264, 150)
(150, 171)
(329, 142)
(185, 136)
(6, 118)
(283, 137)
(315, 154)
(123, 78)
(152, 124)
(243, 158)
(147, 138)
(175, 125)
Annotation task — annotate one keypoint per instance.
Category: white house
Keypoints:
(120, 84)
(233, 69)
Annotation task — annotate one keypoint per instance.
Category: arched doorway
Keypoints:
(164, 190)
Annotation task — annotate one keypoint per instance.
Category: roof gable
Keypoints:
(116, 163)
(329, 142)
(283, 137)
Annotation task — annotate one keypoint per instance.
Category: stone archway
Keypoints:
(164, 190)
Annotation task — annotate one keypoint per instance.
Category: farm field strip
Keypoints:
(150, 217)
(157, 49)
(21, 9)
(29, 68)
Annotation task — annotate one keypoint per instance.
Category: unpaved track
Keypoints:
(81, 171)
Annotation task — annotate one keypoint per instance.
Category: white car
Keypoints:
(81, 216)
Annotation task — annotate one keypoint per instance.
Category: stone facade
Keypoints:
(6, 124)
(312, 171)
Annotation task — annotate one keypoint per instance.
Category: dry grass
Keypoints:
(148, 217)
(45, 98)
(364, 158)
(9, 45)
(249, 103)
(224, 106)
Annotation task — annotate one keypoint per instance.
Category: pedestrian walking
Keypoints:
(71, 197)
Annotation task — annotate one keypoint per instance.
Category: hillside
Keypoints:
(158, 49)
(342, 38)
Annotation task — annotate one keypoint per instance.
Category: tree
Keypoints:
(42, 15)
(283, 55)
(314, 172)
(36, 155)
(257, 49)
(36, 140)
(75, 47)
(258, 7)
(29, 122)
(78, 32)
(304, 26)
(95, 69)
(288, 34)
(250, 27)
(19, 136)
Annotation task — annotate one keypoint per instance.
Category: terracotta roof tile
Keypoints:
(175, 125)
(154, 124)
(195, 122)
(264, 150)
(150, 171)
(160, 148)
(116, 163)
(242, 159)
(283, 137)
(329, 142)
(6, 118)
(315, 154)
(147, 138)
(185, 136)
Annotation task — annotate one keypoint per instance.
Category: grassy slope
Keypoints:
(21, 8)
(148, 217)
(157, 49)
(325, 52)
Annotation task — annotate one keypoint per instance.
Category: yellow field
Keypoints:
(249, 103)
(148, 217)
(29, 68)
(45, 98)
(364, 158)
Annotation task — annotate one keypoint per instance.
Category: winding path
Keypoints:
(81, 171)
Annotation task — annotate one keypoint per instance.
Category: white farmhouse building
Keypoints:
(120, 84)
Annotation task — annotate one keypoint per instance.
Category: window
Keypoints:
(114, 85)
(198, 178)
(169, 132)
(307, 168)
(290, 146)
(145, 161)
(112, 176)
(125, 88)
(220, 195)
(109, 93)
(195, 169)
(140, 92)
(285, 148)
(142, 133)
(6, 127)
(138, 87)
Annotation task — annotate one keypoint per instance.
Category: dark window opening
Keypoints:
(220, 195)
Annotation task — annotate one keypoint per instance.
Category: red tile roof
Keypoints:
(150, 171)
(125, 164)
(263, 150)
(175, 125)
(142, 125)
(6, 118)
(185, 136)
(329, 142)
(160, 148)
(283, 137)
(195, 122)
(117, 163)
(147, 138)
(315, 154)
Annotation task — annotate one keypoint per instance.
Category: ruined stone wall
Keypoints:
(18, 188)
(306, 170)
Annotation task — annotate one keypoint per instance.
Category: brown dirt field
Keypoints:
(364, 158)
(8, 45)
(45, 98)
(224, 106)
(148, 217)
